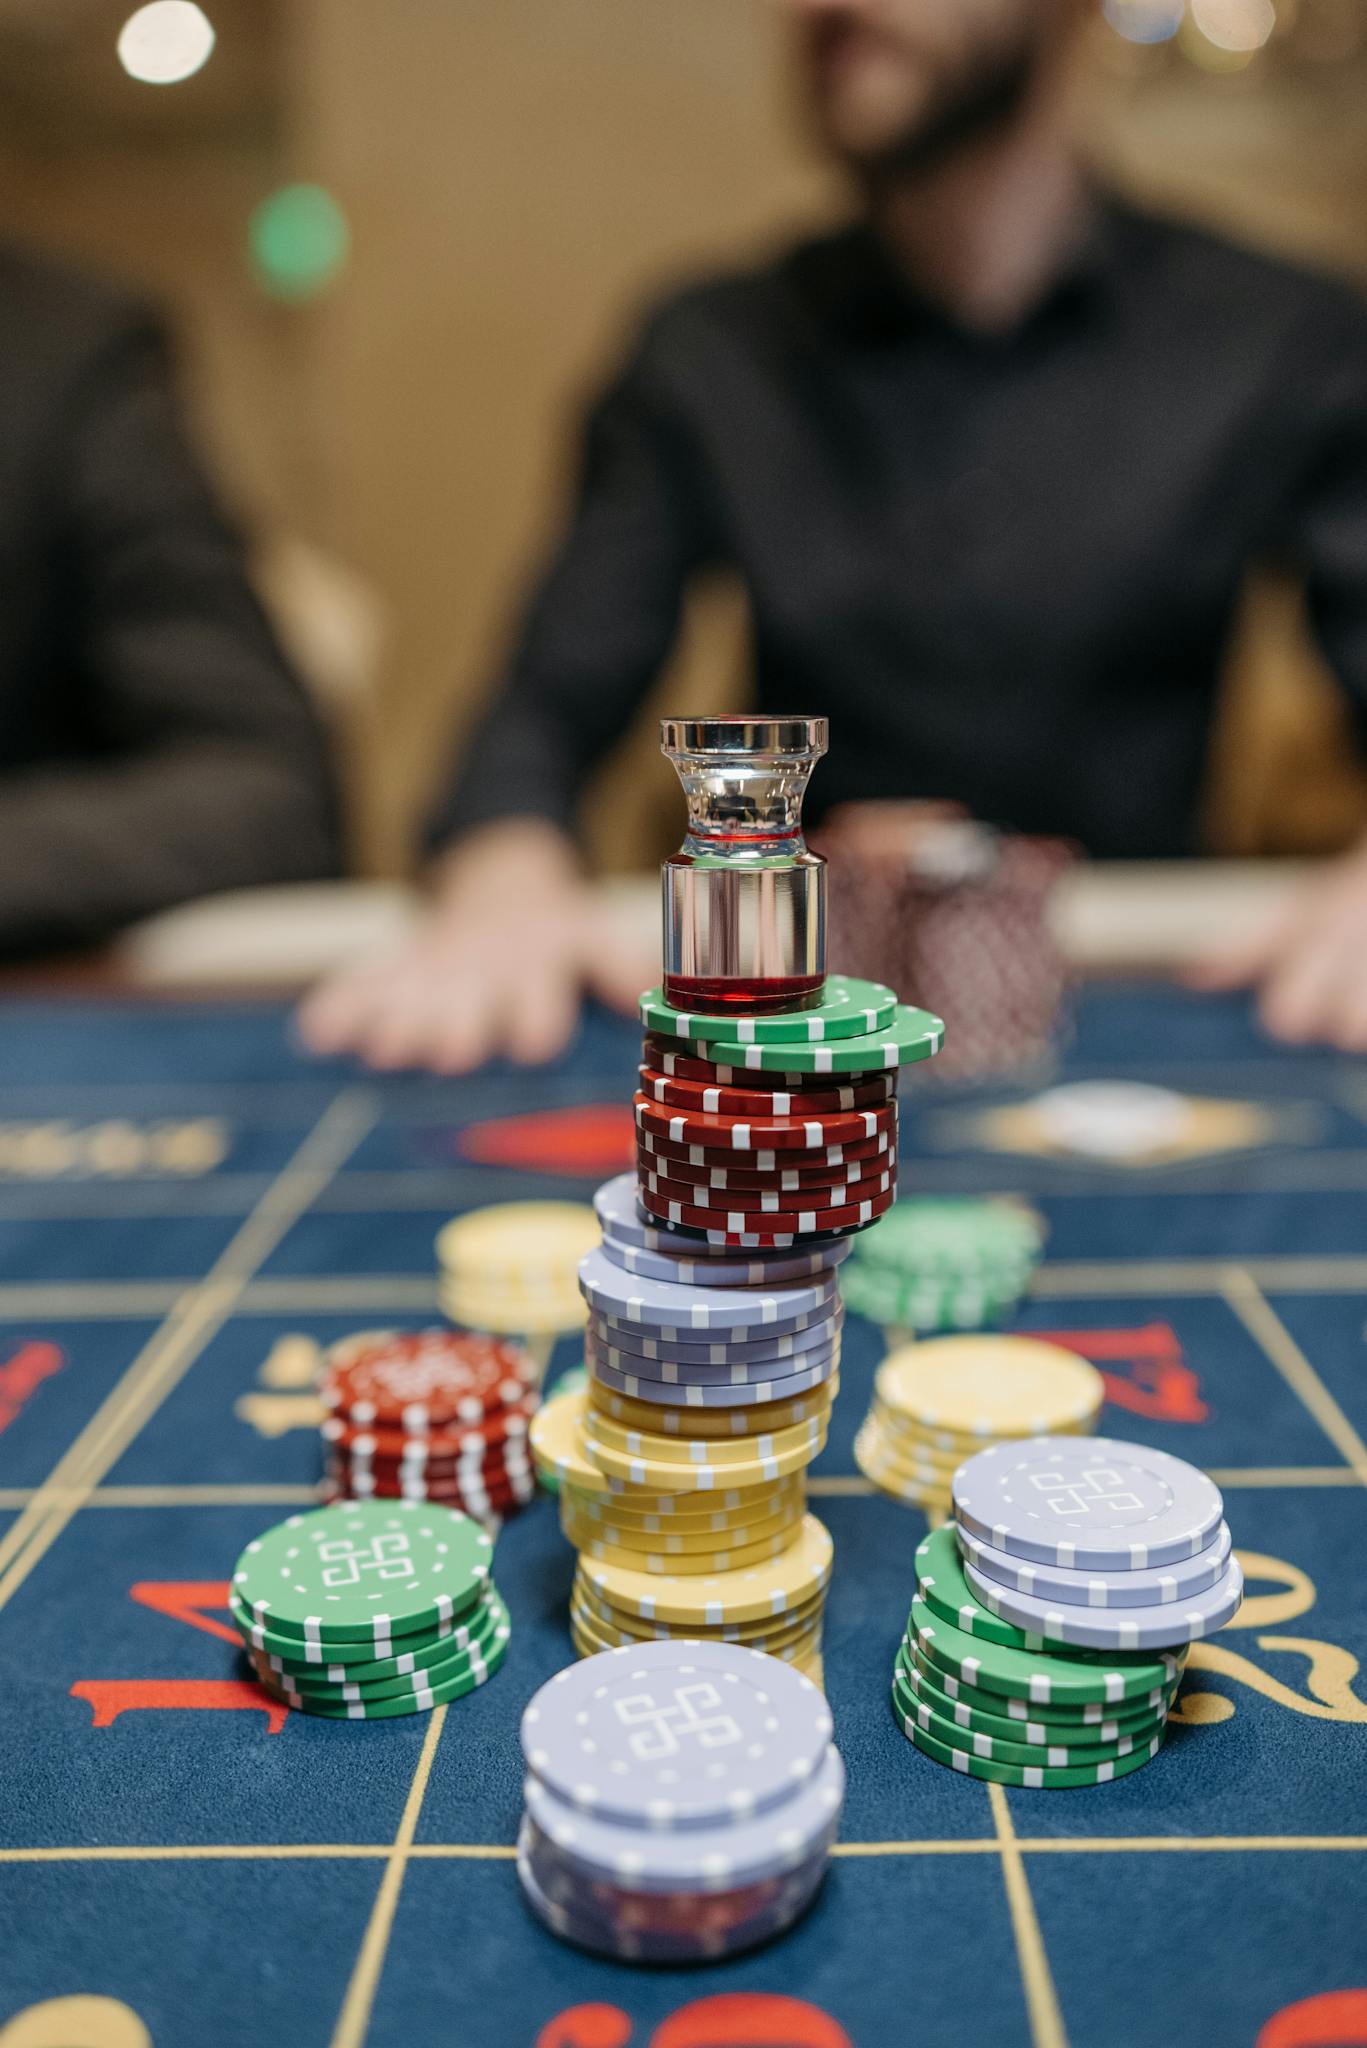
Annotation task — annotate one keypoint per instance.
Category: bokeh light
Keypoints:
(1240, 27)
(299, 242)
(1145, 21)
(165, 42)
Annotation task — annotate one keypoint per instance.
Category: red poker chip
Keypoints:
(491, 1466)
(678, 1163)
(466, 1445)
(660, 1054)
(426, 1380)
(760, 1202)
(792, 1159)
(763, 1134)
(677, 1093)
(478, 1504)
(797, 1223)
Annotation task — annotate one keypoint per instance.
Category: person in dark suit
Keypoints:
(154, 743)
(992, 463)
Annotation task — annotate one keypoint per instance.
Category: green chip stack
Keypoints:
(993, 1702)
(370, 1609)
(932, 1265)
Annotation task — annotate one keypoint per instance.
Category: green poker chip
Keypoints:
(912, 1035)
(357, 1654)
(949, 1696)
(930, 1304)
(363, 1571)
(927, 1236)
(1036, 1675)
(1048, 1742)
(391, 1706)
(849, 1008)
(1028, 1776)
(391, 1674)
(941, 1584)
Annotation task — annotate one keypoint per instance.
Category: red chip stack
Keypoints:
(430, 1415)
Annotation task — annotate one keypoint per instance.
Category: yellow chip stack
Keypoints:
(512, 1269)
(670, 1548)
(938, 1402)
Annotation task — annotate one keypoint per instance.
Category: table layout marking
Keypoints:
(167, 1357)
(354, 2018)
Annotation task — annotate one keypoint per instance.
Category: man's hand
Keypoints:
(1309, 963)
(513, 938)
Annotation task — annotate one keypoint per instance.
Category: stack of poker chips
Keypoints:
(705, 1404)
(760, 1131)
(939, 1401)
(932, 1265)
(369, 1610)
(511, 1268)
(932, 899)
(1049, 1631)
(435, 1415)
(681, 1801)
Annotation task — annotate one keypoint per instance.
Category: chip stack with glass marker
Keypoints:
(370, 1609)
(511, 1268)
(430, 1415)
(1050, 1627)
(681, 1801)
(932, 1265)
(766, 1123)
(937, 1402)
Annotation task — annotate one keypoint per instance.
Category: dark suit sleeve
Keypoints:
(1328, 529)
(201, 765)
(603, 619)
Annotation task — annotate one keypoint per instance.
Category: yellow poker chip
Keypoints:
(873, 1460)
(764, 1589)
(714, 1424)
(990, 1386)
(683, 1477)
(665, 1543)
(666, 1450)
(702, 1532)
(674, 1509)
(557, 1446)
(802, 1650)
(519, 1238)
(693, 1563)
(693, 1512)
(502, 1317)
(769, 1632)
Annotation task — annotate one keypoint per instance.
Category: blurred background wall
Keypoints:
(398, 243)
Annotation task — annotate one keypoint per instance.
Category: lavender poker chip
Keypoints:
(721, 1349)
(1115, 1629)
(1157, 1587)
(689, 1393)
(661, 1306)
(701, 1860)
(1087, 1503)
(676, 1734)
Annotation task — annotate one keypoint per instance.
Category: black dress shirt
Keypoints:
(154, 744)
(1004, 564)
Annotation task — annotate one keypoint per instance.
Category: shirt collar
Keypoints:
(853, 282)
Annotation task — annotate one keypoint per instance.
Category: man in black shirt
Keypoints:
(993, 464)
(154, 744)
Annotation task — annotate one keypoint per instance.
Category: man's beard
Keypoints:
(977, 107)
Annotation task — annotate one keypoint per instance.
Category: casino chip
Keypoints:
(937, 1401)
(1050, 1654)
(681, 1800)
(369, 1610)
(931, 1265)
(436, 1415)
(510, 1269)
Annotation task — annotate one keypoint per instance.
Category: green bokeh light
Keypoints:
(299, 242)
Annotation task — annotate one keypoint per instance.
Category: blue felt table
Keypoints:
(179, 1190)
